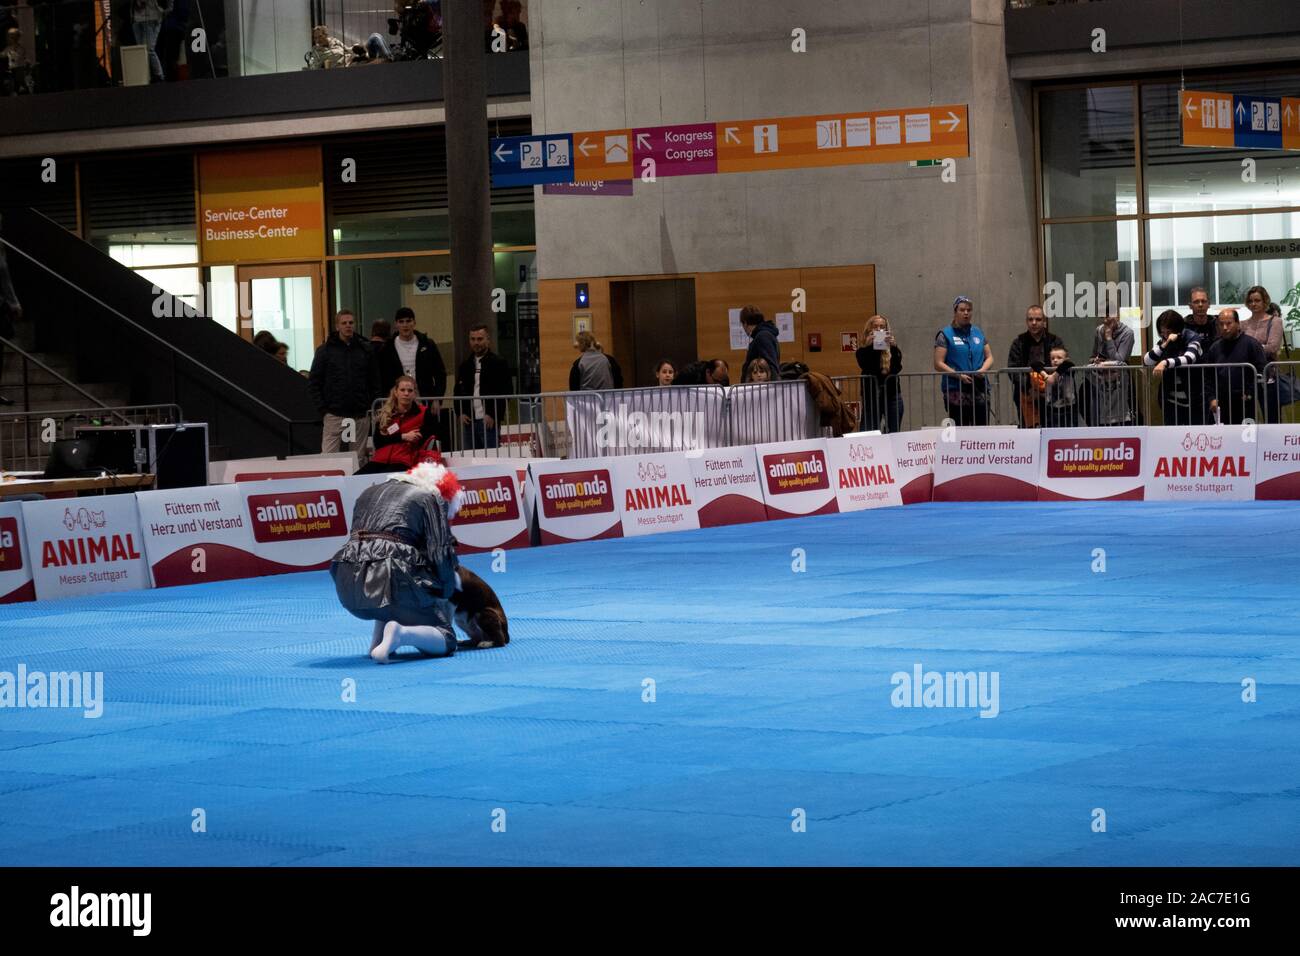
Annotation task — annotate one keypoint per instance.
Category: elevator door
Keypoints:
(653, 319)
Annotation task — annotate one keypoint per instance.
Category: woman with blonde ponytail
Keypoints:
(593, 370)
(880, 360)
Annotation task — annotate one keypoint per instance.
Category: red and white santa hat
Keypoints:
(439, 481)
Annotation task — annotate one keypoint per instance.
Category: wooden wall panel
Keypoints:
(839, 298)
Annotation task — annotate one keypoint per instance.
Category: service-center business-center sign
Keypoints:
(261, 204)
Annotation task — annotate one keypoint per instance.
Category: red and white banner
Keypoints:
(15, 563)
(914, 453)
(1092, 464)
(576, 500)
(493, 515)
(1200, 463)
(726, 486)
(192, 535)
(657, 494)
(864, 472)
(85, 546)
(796, 479)
(986, 464)
(297, 524)
(1277, 463)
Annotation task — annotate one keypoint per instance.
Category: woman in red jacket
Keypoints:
(402, 428)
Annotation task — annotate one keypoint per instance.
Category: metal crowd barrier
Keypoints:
(26, 437)
(595, 424)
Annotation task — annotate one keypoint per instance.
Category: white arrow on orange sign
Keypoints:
(952, 122)
(731, 136)
(584, 147)
(1192, 108)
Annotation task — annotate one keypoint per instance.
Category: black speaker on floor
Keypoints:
(176, 455)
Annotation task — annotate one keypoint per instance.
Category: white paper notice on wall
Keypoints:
(740, 338)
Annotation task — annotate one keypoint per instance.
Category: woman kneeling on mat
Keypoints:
(398, 568)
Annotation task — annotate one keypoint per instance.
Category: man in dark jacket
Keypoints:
(1032, 348)
(415, 354)
(343, 382)
(1233, 389)
(763, 339)
(482, 373)
(412, 353)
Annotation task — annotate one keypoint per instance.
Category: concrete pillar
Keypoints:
(469, 197)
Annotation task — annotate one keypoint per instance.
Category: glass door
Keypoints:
(284, 300)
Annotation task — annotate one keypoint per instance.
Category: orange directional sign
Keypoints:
(1207, 119)
(602, 155)
(842, 139)
(1290, 122)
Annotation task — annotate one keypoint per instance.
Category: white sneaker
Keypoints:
(390, 643)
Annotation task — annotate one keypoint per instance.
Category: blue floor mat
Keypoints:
(695, 699)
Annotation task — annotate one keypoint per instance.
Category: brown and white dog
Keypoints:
(478, 611)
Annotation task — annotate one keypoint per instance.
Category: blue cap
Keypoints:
(959, 300)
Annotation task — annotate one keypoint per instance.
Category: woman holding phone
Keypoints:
(880, 360)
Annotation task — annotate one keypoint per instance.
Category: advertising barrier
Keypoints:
(193, 535)
(85, 546)
(15, 563)
(657, 494)
(1277, 463)
(796, 479)
(493, 515)
(296, 524)
(987, 464)
(1092, 464)
(914, 453)
(576, 500)
(726, 486)
(1200, 463)
(864, 472)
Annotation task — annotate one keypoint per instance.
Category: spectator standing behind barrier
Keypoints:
(1268, 332)
(343, 381)
(380, 332)
(757, 371)
(593, 370)
(706, 372)
(482, 373)
(764, 338)
(961, 350)
(1060, 394)
(880, 360)
(411, 352)
(146, 23)
(1031, 349)
(11, 311)
(664, 372)
(1108, 401)
(1177, 348)
(1199, 321)
(1234, 393)
(402, 427)
(171, 35)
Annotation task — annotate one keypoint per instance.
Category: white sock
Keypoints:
(377, 634)
(431, 640)
(391, 642)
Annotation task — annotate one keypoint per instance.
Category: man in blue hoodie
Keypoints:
(763, 339)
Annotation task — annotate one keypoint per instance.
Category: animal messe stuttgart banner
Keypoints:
(82, 546)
